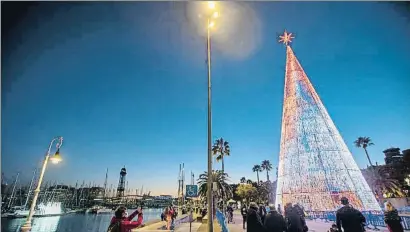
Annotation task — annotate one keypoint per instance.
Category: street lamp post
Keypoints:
(210, 24)
(210, 180)
(56, 158)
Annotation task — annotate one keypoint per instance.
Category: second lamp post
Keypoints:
(56, 158)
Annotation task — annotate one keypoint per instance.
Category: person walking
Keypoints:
(168, 217)
(351, 219)
(253, 220)
(301, 212)
(392, 218)
(243, 213)
(229, 212)
(293, 220)
(274, 222)
(262, 211)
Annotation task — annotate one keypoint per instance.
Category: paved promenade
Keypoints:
(314, 226)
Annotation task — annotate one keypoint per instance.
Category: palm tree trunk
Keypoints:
(267, 175)
(368, 157)
(223, 200)
(257, 176)
(223, 165)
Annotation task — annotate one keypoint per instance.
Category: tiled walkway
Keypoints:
(314, 226)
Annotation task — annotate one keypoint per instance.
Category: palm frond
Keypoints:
(379, 180)
(266, 165)
(257, 168)
(219, 158)
(221, 147)
(224, 190)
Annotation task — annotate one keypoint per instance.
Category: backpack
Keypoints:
(115, 227)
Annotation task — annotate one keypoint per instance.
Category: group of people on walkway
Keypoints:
(352, 220)
(169, 215)
(257, 219)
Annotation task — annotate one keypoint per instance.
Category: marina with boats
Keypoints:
(58, 199)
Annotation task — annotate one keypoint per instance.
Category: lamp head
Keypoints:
(56, 158)
(211, 5)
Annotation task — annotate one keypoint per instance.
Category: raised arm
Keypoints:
(135, 213)
(129, 225)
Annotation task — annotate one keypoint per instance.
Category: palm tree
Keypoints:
(381, 183)
(243, 180)
(364, 142)
(223, 191)
(257, 168)
(266, 165)
(221, 149)
(249, 181)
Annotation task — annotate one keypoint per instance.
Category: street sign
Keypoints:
(191, 190)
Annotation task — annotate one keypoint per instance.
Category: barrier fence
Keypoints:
(373, 218)
(221, 221)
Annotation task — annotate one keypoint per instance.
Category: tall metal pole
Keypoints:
(27, 226)
(210, 203)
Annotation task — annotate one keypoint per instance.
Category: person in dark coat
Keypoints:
(301, 212)
(274, 222)
(253, 220)
(293, 220)
(262, 212)
(392, 218)
(351, 219)
(244, 211)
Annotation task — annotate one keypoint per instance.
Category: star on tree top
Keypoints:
(286, 38)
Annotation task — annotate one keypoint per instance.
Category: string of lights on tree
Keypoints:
(316, 168)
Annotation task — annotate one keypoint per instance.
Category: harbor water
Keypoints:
(72, 222)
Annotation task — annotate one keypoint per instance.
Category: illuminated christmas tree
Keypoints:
(316, 168)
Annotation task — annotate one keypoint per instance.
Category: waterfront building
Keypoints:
(393, 156)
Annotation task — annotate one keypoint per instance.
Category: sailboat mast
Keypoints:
(12, 192)
(30, 188)
(21, 203)
(75, 196)
(105, 184)
(183, 182)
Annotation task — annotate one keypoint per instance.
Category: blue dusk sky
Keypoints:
(125, 83)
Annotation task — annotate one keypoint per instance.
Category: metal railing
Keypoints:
(373, 218)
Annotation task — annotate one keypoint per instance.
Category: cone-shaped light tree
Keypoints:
(316, 168)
